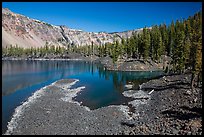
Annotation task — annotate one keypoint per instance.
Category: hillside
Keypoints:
(26, 32)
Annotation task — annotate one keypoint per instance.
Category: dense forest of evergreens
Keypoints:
(182, 41)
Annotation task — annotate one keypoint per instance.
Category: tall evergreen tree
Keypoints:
(171, 38)
(146, 41)
(196, 50)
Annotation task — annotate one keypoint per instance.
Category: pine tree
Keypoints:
(187, 46)
(160, 46)
(115, 51)
(127, 47)
(135, 46)
(123, 46)
(130, 46)
(92, 48)
(165, 38)
(157, 45)
(171, 39)
(146, 40)
(140, 45)
(196, 50)
(178, 54)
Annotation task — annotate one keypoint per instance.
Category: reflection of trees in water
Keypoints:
(118, 81)
(118, 78)
(121, 78)
(88, 66)
(38, 71)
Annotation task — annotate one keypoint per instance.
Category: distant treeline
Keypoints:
(182, 41)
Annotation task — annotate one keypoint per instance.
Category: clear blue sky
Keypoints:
(105, 16)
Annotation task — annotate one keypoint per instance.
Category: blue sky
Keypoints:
(105, 16)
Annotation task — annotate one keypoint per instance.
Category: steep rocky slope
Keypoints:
(26, 32)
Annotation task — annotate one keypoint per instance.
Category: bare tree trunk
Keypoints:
(193, 81)
(198, 80)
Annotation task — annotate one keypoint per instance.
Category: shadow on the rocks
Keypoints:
(194, 109)
(127, 123)
(184, 113)
(178, 85)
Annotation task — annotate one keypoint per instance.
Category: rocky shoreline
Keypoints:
(122, 65)
(161, 106)
(172, 110)
(47, 58)
(131, 65)
(51, 111)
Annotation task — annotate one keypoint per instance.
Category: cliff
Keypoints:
(26, 32)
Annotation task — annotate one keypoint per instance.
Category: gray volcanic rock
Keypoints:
(170, 111)
(51, 111)
(132, 65)
(25, 32)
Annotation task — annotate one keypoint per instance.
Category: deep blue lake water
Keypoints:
(22, 78)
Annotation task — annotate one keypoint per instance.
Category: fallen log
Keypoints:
(151, 92)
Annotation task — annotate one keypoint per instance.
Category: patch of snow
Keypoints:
(75, 29)
(37, 20)
(58, 27)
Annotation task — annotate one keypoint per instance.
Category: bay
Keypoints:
(21, 78)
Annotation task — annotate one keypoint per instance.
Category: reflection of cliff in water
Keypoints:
(121, 78)
(19, 74)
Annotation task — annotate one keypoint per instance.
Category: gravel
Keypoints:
(51, 114)
(172, 109)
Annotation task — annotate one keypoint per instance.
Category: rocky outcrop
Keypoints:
(26, 32)
(131, 64)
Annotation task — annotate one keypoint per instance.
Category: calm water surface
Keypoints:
(22, 78)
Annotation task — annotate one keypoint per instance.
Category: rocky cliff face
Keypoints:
(26, 32)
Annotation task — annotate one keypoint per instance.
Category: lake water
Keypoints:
(22, 78)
